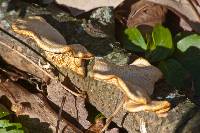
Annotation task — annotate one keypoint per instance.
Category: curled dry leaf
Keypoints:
(136, 81)
(77, 7)
(96, 127)
(198, 1)
(146, 13)
(189, 10)
(185, 8)
(53, 43)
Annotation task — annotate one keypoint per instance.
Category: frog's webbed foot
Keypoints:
(159, 107)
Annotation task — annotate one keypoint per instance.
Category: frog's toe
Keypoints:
(159, 107)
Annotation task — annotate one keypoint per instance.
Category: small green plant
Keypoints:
(158, 47)
(5, 125)
(177, 60)
(2, 1)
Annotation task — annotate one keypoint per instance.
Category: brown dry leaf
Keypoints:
(183, 24)
(185, 8)
(146, 13)
(78, 7)
(113, 130)
(136, 81)
(198, 1)
(50, 40)
(97, 126)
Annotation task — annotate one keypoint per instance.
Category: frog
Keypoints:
(54, 45)
(135, 80)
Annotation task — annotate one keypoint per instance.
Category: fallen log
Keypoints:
(105, 97)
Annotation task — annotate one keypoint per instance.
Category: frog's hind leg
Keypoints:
(159, 107)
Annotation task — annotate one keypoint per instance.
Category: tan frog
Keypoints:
(136, 81)
(53, 43)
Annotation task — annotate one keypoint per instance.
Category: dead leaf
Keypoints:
(198, 1)
(78, 7)
(146, 13)
(113, 130)
(182, 7)
(183, 24)
(97, 126)
(189, 10)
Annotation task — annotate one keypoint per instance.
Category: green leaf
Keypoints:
(15, 131)
(161, 46)
(13, 127)
(3, 111)
(17, 125)
(1, 1)
(189, 41)
(134, 40)
(174, 72)
(99, 116)
(189, 56)
(4, 123)
(197, 86)
(3, 130)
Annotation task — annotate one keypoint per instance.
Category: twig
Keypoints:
(109, 120)
(142, 126)
(60, 112)
(72, 92)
